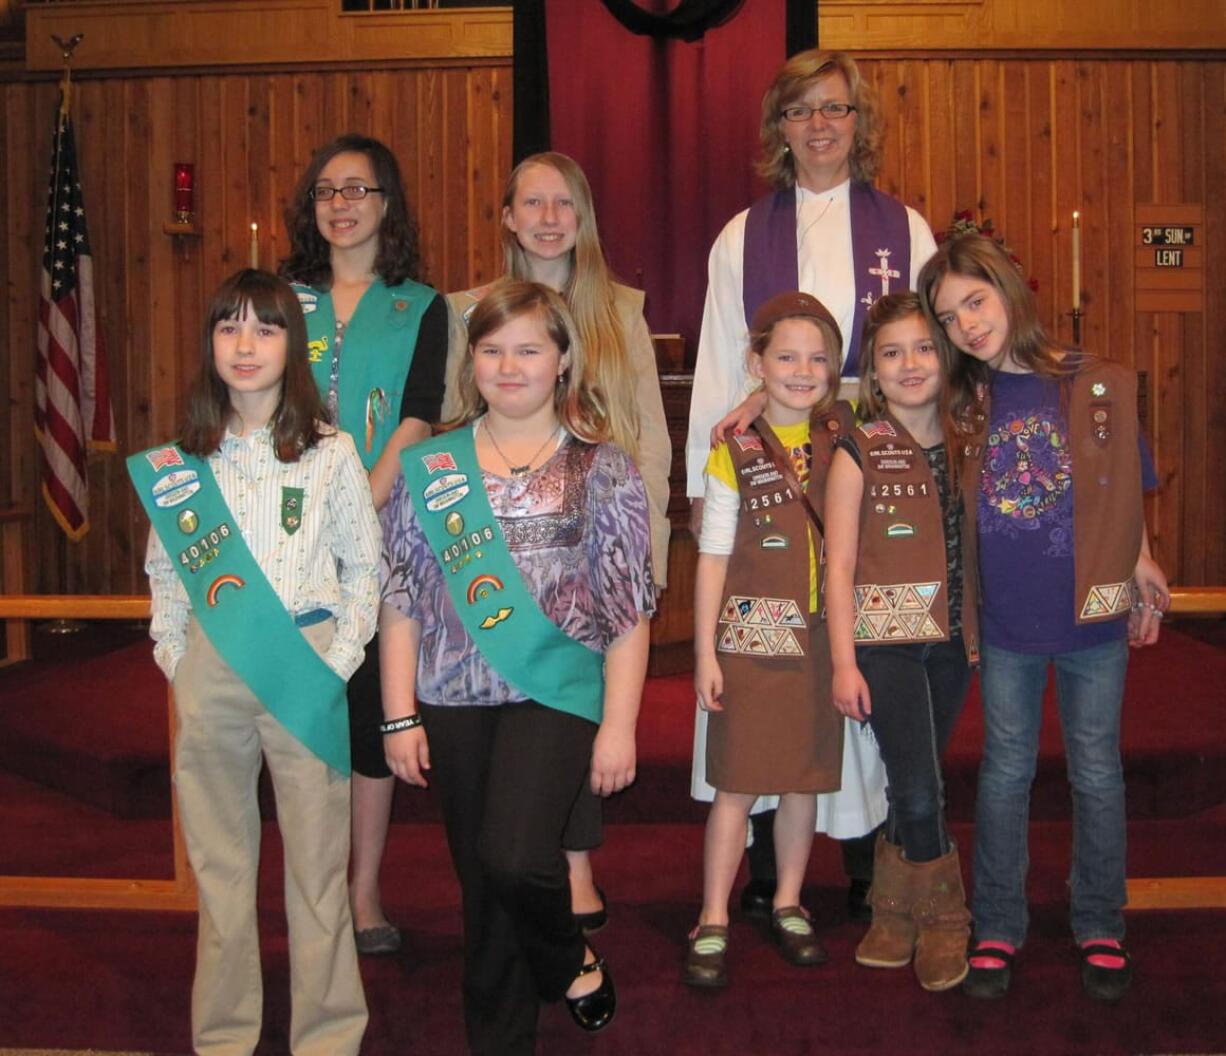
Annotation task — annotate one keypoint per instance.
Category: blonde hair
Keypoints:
(759, 341)
(579, 407)
(795, 77)
(589, 292)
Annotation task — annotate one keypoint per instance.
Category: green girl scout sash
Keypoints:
(499, 613)
(235, 604)
(379, 344)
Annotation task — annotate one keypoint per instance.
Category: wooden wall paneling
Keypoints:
(1093, 201)
(404, 138)
(942, 144)
(991, 118)
(484, 177)
(1056, 297)
(913, 136)
(429, 190)
(1194, 418)
(1214, 323)
(259, 176)
(307, 117)
(1114, 301)
(966, 138)
(1020, 197)
(1167, 375)
(456, 117)
(1034, 244)
(883, 76)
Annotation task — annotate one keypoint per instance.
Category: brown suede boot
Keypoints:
(891, 938)
(939, 910)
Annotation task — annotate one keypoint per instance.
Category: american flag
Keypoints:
(72, 387)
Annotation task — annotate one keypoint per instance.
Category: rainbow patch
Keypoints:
(482, 587)
(223, 581)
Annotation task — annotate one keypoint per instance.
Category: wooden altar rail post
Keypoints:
(70, 892)
(1179, 892)
(12, 553)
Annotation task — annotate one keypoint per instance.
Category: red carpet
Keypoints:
(121, 980)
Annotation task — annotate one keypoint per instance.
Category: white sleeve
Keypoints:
(719, 372)
(171, 609)
(719, 514)
(923, 245)
(356, 542)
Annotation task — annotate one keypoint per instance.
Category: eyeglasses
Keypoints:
(830, 111)
(351, 192)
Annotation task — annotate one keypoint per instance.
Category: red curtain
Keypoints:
(667, 133)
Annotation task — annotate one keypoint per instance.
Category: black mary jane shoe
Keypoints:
(594, 1011)
(758, 899)
(597, 919)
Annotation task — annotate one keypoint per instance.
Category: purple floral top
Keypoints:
(577, 531)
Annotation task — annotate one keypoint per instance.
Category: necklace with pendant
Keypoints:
(516, 471)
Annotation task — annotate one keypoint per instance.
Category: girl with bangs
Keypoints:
(901, 606)
(549, 235)
(378, 344)
(263, 560)
(1068, 583)
(517, 588)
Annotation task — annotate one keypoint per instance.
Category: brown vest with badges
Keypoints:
(1107, 509)
(772, 651)
(901, 593)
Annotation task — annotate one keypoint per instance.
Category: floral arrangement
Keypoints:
(964, 223)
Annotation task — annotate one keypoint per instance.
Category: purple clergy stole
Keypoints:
(881, 254)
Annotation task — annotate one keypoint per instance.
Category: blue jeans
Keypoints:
(1090, 691)
(917, 690)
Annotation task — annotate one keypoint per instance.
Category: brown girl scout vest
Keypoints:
(901, 593)
(770, 647)
(1107, 511)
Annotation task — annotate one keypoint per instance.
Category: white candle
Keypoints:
(1076, 260)
(255, 245)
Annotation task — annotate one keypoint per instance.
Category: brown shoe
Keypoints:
(704, 960)
(795, 937)
(940, 913)
(890, 941)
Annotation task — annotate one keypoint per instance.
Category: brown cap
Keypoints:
(792, 305)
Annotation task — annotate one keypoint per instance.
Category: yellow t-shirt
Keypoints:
(795, 441)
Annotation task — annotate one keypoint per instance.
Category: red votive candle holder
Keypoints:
(185, 179)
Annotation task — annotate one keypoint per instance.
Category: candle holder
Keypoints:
(185, 186)
(1076, 313)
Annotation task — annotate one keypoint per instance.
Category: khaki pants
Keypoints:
(223, 732)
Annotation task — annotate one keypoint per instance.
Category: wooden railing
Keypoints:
(180, 892)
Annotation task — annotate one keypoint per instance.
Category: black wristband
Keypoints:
(396, 725)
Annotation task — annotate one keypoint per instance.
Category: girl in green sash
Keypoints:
(549, 235)
(263, 569)
(378, 347)
(516, 557)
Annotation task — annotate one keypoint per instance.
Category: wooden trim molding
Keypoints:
(163, 34)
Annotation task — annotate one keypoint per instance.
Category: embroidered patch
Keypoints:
(307, 300)
(748, 442)
(175, 488)
(440, 460)
(1100, 415)
(291, 509)
(496, 619)
(895, 612)
(400, 306)
(1098, 389)
(164, 457)
(892, 459)
(872, 430)
(222, 581)
(1106, 599)
(482, 587)
(445, 491)
(760, 627)
(774, 542)
(899, 530)
(204, 549)
(454, 523)
(188, 522)
(316, 350)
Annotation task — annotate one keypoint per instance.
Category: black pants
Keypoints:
(917, 692)
(507, 778)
